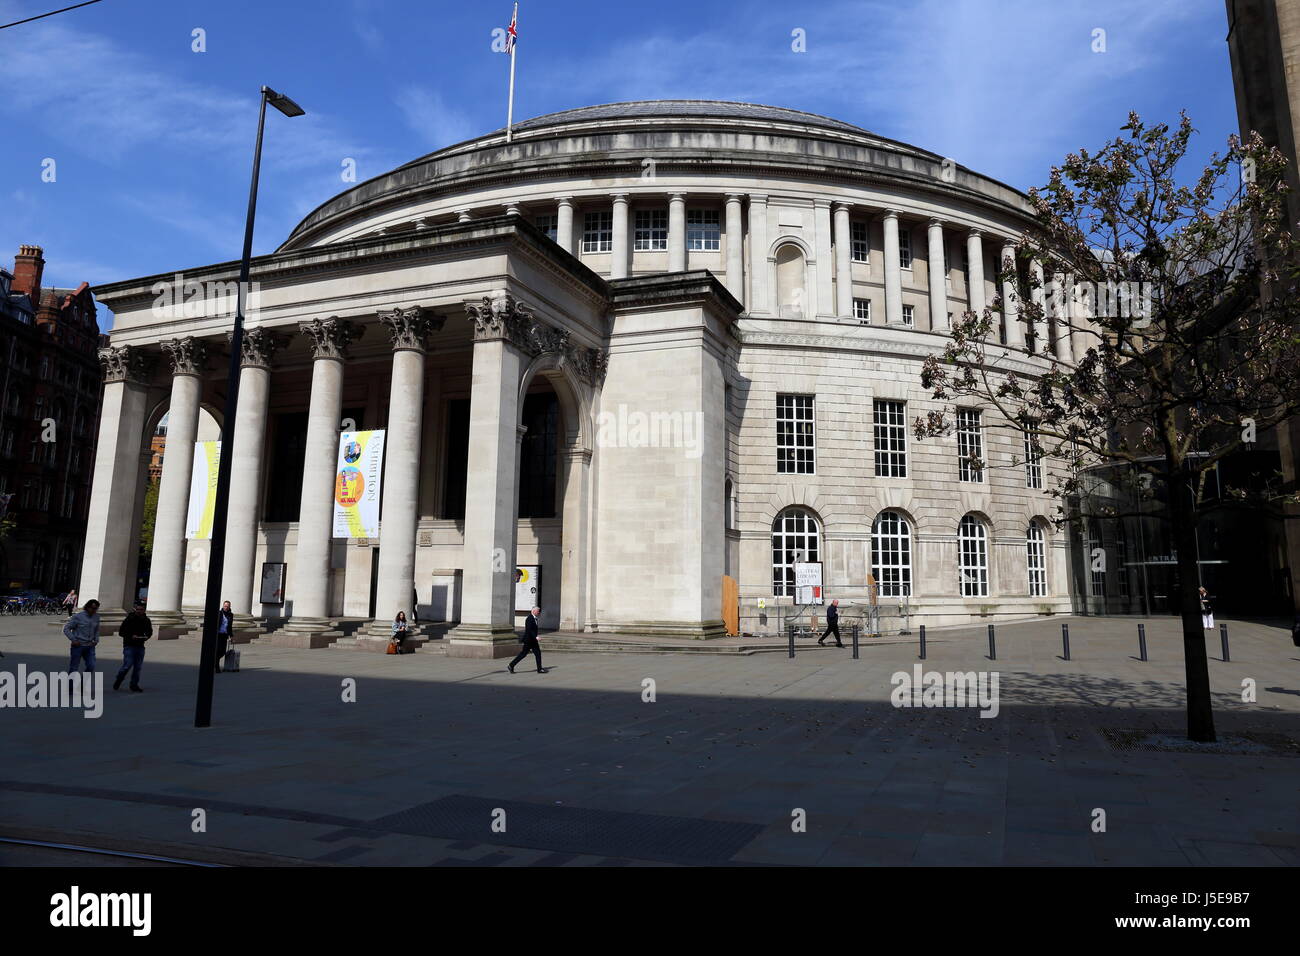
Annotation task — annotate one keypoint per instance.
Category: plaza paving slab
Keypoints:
(447, 761)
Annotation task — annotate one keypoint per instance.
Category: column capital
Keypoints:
(618, 197)
(820, 202)
(935, 221)
(188, 355)
(564, 200)
(758, 197)
(511, 208)
(840, 204)
(677, 196)
(410, 328)
(974, 233)
(462, 215)
(735, 197)
(257, 347)
(889, 214)
(126, 363)
(330, 337)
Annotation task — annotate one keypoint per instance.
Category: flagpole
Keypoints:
(510, 109)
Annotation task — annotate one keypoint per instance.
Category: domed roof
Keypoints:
(710, 109)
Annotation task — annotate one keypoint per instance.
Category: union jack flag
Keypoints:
(512, 34)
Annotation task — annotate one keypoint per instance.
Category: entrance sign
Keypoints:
(203, 490)
(272, 582)
(808, 582)
(357, 484)
(528, 587)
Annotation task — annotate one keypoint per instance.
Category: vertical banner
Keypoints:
(203, 490)
(357, 483)
(528, 586)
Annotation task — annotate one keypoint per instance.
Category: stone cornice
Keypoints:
(698, 287)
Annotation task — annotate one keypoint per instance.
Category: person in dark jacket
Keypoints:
(530, 642)
(832, 624)
(135, 630)
(225, 630)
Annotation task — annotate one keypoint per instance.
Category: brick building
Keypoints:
(49, 412)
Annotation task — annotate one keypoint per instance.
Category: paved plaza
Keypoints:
(719, 768)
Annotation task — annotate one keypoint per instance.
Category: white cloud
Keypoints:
(432, 119)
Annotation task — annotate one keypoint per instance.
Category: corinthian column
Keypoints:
(618, 238)
(258, 347)
(310, 572)
(108, 565)
(1010, 307)
(938, 270)
(893, 271)
(410, 330)
(504, 332)
(735, 248)
(975, 272)
(843, 262)
(676, 232)
(167, 566)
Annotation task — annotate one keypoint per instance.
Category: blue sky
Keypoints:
(153, 141)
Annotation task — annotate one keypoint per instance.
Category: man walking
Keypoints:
(530, 642)
(82, 630)
(136, 629)
(225, 629)
(832, 624)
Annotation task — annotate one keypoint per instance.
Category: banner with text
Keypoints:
(203, 490)
(357, 483)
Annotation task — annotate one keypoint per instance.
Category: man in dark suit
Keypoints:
(832, 624)
(530, 642)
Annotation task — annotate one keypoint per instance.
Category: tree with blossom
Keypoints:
(1170, 306)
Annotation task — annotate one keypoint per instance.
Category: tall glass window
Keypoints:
(794, 435)
(891, 554)
(972, 558)
(598, 232)
(795, 537)
(1036, 560)
(703, 233)
(651, 233)
(891, 439)
(970, 445)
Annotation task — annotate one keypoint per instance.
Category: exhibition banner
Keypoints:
(357, 483)
(203, 490)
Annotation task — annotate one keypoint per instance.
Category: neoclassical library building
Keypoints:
(635, 350)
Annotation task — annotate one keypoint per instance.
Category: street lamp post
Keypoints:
(217, 551)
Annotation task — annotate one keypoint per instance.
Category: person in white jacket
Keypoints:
(82, 631)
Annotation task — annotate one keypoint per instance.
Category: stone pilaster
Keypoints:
(938, 272)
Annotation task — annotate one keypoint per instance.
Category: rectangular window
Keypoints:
(549, 225)
(858, 233)
(891, 439)
(1096, 558)
(651, 230)
(970, 445)
(598, 232)
(1033, 460)
(909, 315)
(794, 434)
(702, 230)
(904, 247)
(1036, 561)
(862, 310)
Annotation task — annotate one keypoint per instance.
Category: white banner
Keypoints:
(808, 582)
(203, 490)
(357, 484)
(528, 587)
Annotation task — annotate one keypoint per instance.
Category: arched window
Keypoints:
(973, 558)
(891, 554)
(729, 503)
(1036, 559)
(795, 537)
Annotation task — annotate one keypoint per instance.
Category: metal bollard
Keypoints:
(855, 641)
(1065, 640)
(791, 632)
(1142, 642)
(922, 642)
(993, 648)
(1223, 638)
